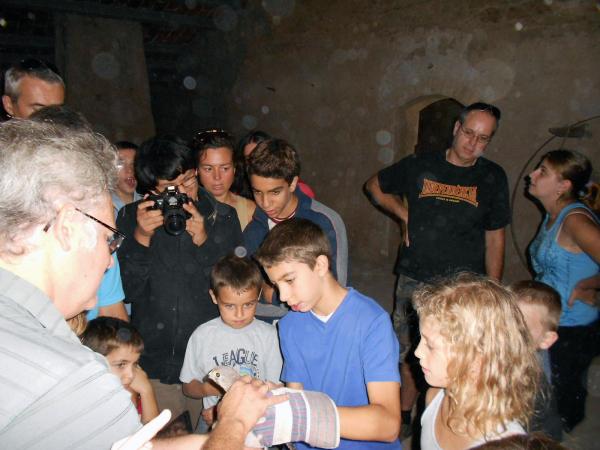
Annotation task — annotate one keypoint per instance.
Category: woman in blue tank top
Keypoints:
(565, 254)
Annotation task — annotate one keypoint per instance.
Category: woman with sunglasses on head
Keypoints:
(565, 254)
(216, 169)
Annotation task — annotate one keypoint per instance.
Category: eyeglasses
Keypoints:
(188, 182)
(114, 241)
(204, 137)
(479, 138)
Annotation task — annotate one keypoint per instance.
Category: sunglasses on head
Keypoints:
(202, 137)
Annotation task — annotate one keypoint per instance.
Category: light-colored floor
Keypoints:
(379, 283)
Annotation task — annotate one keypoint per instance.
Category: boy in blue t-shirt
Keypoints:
(335, 340)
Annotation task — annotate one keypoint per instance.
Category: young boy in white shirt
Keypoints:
(234, 339)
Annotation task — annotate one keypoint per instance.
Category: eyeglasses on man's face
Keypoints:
(470, 134)
(113, 240)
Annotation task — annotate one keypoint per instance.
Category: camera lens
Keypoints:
(175, 222)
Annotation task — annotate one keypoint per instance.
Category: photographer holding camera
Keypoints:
(176, 233)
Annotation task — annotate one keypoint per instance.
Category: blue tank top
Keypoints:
(563, 269)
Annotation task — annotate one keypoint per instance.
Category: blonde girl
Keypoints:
(477, 356)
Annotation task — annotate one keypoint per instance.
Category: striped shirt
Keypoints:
(55, 393)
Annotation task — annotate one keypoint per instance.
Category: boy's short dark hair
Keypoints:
(294, 240)
(126, 145)
(105, 334)
(161, 158)
(274, 158)
(239, 274)
(537, 293)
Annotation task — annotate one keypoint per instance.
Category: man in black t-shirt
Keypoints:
(458, 205)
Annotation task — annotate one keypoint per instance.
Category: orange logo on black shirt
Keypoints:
(448, 192)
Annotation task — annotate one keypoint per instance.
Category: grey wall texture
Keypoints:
(343, 81)
(105, 72)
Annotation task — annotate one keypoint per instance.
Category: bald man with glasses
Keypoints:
(455, 210)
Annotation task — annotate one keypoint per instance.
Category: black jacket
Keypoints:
(167, 283)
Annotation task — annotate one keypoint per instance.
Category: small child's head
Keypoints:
(273, 169)
(475, 344)
(541, 308)
(296, 256)
(235, 288)
(119, 341)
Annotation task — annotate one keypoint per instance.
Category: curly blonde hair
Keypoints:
(482, 324)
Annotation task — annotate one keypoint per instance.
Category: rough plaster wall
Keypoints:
(105, 72)
(195, 98)
(338, 78)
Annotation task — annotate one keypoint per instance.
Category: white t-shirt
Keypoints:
(252, 350)
(429, 440)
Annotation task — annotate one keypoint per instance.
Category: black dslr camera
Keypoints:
(171, 202)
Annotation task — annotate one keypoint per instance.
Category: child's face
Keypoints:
(433, 353)
(126, 181)
(122, 362)
(274, 195)
(237, 309)
(534, 315)
(299, 285)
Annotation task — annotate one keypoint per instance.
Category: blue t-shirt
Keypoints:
(356, 346)
(110, 290)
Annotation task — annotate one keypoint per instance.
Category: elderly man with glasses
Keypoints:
(56, 241)
(175, 234)
(456, 209)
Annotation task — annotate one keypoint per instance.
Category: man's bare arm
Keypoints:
(391, 203)
(494, 253)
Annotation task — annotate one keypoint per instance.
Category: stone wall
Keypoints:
(104, 66)
(343, 81)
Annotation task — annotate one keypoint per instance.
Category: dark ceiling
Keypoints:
(27, 26)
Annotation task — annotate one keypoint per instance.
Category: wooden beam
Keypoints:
(46, 43)
(90, 8)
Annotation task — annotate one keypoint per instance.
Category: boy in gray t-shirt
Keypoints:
(235, 339)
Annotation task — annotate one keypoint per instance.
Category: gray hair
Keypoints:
(14, 75)
(44, 166)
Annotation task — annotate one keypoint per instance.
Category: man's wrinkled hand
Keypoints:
(246, 402)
